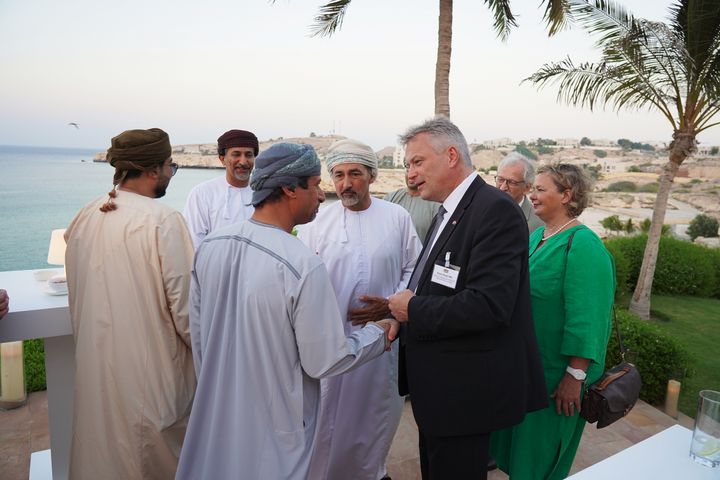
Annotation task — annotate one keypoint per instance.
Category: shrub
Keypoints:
(543, 150)
(628, 254)
(645, 227)
(703, 226)
(621, 273)
(682, 268)
(600, 153)
(634, 169)
(648, 188)
(656, 355)
(612, 223)
(522, 149)
(629, 226)
(622, 186)
(34, 356)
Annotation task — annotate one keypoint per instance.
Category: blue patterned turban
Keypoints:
(282, 165)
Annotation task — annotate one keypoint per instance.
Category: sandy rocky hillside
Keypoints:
(697, 184)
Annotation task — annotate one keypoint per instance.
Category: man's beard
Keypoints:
(349, 201)
(242, 175)
(161, 188)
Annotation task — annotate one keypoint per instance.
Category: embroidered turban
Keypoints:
(351, 151)
(282, 165)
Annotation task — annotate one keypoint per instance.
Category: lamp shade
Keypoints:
(56, 252)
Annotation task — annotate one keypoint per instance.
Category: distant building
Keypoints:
(399, 156)
(705, 149)
(603, 142)
(567, 142)
(498, 142)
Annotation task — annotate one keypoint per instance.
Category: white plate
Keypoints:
(44, 275)
(53, 292)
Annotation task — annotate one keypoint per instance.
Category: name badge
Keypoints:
(445, 275)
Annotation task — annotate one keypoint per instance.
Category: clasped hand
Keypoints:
(378, 308)
(391, 327)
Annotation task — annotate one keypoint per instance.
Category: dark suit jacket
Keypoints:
(470, 360)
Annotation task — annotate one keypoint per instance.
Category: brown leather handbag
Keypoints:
(614, 395)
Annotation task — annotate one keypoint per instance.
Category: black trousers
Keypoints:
(448, 458)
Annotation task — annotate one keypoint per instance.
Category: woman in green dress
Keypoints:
(572, 284)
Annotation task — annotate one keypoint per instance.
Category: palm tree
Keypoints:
(672, 68)
(332, 14)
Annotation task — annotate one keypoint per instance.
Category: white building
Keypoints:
(399, 156)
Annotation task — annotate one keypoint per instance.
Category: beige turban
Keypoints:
(352, 151)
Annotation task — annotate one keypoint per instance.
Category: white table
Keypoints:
(35, 314)
(664, 456)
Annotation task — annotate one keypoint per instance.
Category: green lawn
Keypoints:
(695, 324)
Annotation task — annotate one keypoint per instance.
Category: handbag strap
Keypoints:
(621, 345)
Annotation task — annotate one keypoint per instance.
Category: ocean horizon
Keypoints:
(42, 188)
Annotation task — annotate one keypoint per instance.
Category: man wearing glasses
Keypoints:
(128, 263)
(515, 176)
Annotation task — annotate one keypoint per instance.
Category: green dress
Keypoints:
(572, 297)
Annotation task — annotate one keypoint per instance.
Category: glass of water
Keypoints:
(705, 447)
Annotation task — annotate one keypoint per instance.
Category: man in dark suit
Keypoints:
(468, 354)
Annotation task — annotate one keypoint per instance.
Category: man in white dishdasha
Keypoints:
(369, 247)
(265, 327)
(224, 200)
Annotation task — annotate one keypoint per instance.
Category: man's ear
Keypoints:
(222, 159)
(290, 192)
(453, 156)
(153, 173)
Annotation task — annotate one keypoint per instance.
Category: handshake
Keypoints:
(387, 313)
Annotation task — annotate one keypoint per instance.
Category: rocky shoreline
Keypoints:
(697, 186)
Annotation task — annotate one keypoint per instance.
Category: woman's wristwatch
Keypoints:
(576, 373)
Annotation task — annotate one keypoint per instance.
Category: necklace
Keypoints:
(557, 230)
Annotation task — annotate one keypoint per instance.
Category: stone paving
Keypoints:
(25, 430)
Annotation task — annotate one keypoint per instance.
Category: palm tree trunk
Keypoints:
(682, 146)
(442, 66)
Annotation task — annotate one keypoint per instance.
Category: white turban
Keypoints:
(352, 151)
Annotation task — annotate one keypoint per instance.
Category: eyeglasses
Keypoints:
(173, 168)
(511, 183)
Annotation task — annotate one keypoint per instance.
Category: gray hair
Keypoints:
(443, 134)
(517, 158)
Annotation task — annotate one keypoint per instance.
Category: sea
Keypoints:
(42, 188)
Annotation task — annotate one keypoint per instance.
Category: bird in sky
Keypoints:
(74, 125)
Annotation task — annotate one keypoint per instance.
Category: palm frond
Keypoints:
(593, 84)
(329, 18)
(605, 18)
(697, 22)
(504, 18)
(556, 14)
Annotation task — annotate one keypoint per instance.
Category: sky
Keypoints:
(199, 68)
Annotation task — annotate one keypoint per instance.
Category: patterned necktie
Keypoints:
(437, 221)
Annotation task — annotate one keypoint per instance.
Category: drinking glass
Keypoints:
(705, 446)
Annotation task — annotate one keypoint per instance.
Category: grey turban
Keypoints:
(282, 165)
(351, 151)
